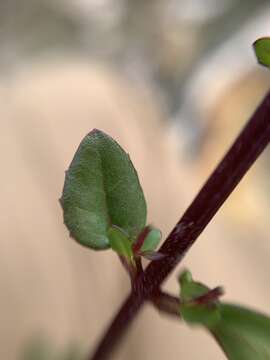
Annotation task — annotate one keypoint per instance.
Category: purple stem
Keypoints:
(246, 149)
(210, 297)
(167, 303)
(139, 242)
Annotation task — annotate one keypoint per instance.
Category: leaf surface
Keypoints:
(102, 189)
(243, 334)
(152, 240)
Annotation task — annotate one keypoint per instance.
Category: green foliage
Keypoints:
(120, 243)
(151, 240)
(243, 334)
(104, 207)
(102, 190)
(193, 313)
(189, 288)
(262, 50)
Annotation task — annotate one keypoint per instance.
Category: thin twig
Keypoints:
(211, 296)
(246, 149)
(166, 303)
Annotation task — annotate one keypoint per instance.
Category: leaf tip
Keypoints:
(185, 277)
(95, 132)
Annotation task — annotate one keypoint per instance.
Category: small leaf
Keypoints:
(262, 50)
(190, 289)
(151, 240)
(120, 243)
(102, 189)
(243, 334)
(193, 313)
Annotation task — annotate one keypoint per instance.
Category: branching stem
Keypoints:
(246, 149)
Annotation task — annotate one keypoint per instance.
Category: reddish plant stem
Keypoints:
(139, 267)
(246, 149)
(210, 296)
(166, 303)
(130, 269)
(139, 243)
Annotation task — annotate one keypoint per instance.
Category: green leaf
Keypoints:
(262, 50)
(102, 189)
(242, 333)
(202, 314)
(151, 241)
(193, 313)
(190, 289)
(120, 243)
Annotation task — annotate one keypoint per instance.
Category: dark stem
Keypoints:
(133, 269)
(162, 301)
(139, 267)
(246, 149)
(166, 303)
(130, 269)
(138, 270)
(210, 296)
(170, 304)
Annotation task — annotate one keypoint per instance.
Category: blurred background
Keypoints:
(173, 82)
